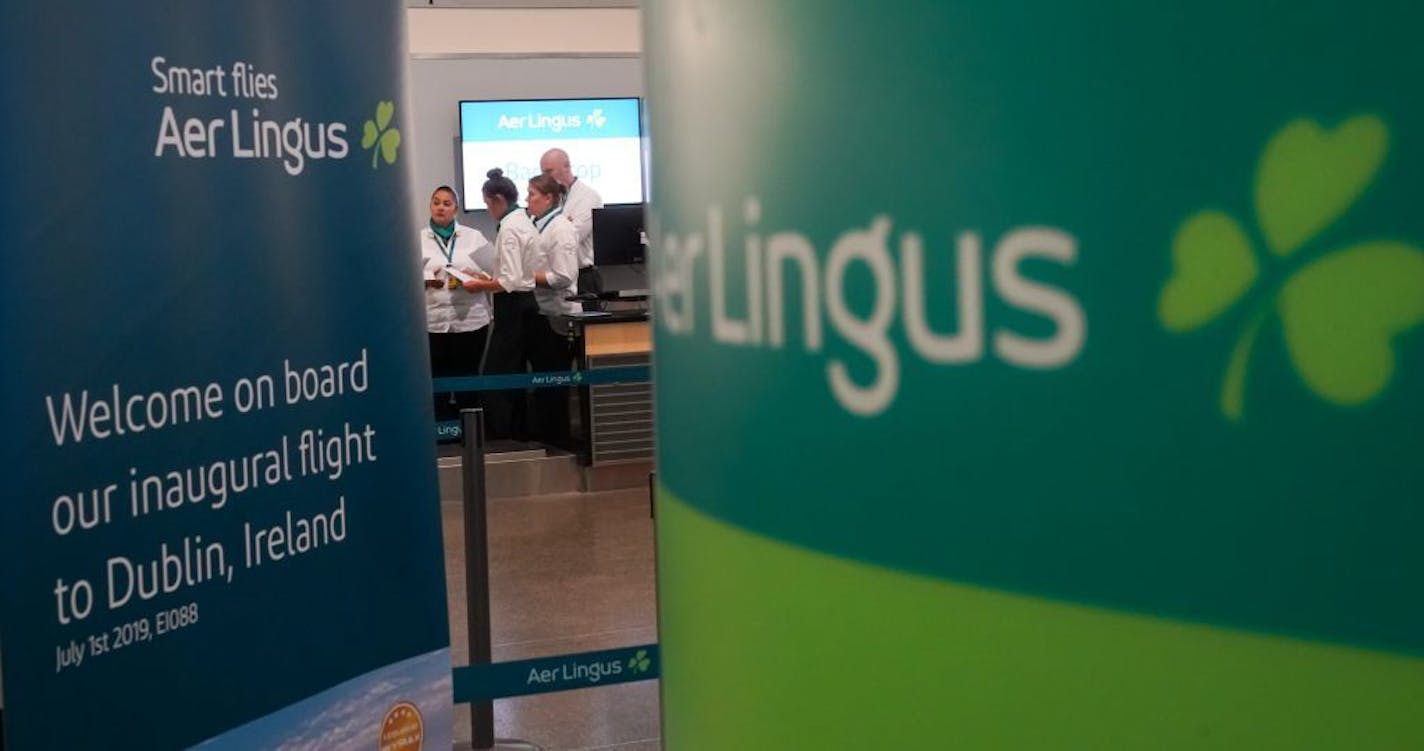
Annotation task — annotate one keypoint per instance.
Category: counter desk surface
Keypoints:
(612, 334)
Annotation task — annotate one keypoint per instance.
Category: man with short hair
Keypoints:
(579, 204)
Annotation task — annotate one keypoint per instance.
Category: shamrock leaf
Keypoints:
(1342, 313)
(379, 132)
(384, 111)
(389, 143)
(1308, 177)
(1212, 267)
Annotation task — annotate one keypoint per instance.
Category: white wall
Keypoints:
(478, 53)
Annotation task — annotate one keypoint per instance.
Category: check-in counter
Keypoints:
(617, 418)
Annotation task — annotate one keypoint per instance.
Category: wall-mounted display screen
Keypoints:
(603, 137)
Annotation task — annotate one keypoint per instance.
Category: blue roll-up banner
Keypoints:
(220, 523)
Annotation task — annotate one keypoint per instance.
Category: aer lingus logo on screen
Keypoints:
(379, 133)
(1339, 313)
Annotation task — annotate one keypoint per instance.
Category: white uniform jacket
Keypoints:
(455, 310)
(578, 207)
(516, 251)
(558, 259)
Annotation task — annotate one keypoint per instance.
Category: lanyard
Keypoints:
(448, 248)
(549, 217)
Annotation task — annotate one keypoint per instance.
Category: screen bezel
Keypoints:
(469, 189)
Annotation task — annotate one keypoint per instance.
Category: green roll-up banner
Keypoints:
(1039, 374)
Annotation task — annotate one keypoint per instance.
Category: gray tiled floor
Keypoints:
(568, 573)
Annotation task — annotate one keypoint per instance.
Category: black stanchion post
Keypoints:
(477, 600)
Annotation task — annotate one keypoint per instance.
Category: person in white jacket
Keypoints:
(555, 278)
(580, 199)
(556, 266)
(457, 320)
(512, 286)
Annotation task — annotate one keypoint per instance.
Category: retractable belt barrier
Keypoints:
(449, 430)
(503, 381)
(484, 680)
(543, 675)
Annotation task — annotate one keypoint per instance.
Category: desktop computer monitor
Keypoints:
(618, 236)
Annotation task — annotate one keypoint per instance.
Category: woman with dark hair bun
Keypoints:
(457, 320)
(513, 286)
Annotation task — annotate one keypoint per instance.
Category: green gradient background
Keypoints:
(778, 647)
(1115, 482)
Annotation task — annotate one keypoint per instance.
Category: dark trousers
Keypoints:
(549, 351)
(508, 352)
(454, 355)
(590, 282)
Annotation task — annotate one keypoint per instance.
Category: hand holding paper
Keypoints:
(462, 276)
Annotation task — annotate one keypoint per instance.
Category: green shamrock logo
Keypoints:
(1339, 313)
(380, 131)
(639, 662)
(578, 376)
